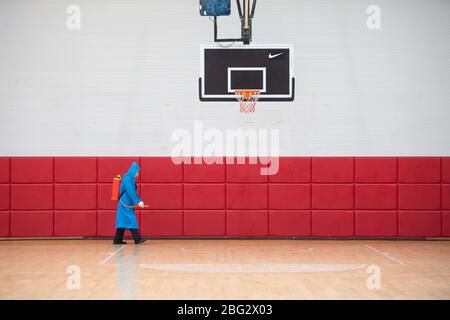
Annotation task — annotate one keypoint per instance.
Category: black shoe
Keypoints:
(140, 241)
(123, 242)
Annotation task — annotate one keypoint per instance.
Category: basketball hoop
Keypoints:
(247, 100)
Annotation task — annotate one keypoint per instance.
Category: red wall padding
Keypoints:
(332, 170)
(419, 223)
(245, 196)
(4, 197)
(32, 223)
(332, 196)
(376, 196)
(32, 196)
(289, 196)
(446, 223)
(376, 170)
(205, 172)
(106, 220)
(289, 222)
(245, 173)
(376, 223)
(32, 170)
(204, 196)
(446, 196)
(4, 223)
(419, 170)
(76, 223)
(247, 223)
(293, 169)
(5, 170)
(76, 196)
(109, 167)
(333, 223)
(163, 196)
(318, 196)
(419, 196)
(160, 169)
(204, 222)
(162, 222)
(72, 169)
(446, 170)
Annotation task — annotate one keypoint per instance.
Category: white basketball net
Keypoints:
(247, 100)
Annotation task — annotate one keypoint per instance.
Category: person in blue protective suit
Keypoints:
(128, 199)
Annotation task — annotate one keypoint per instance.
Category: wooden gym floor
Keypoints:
(225, 269)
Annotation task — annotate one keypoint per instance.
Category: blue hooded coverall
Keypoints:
(126, 217)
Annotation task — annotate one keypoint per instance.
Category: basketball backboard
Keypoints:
(265, 68)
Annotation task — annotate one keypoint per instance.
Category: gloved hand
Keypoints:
(141, 204)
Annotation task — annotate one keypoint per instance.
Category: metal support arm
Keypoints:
(246, 34)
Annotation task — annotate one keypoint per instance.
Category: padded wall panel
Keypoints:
(332, 169)
(290, 223)
(376, 196)
(162, 223)
(204, 196)
(4, 169)
(204, 222)
(446, 196)
(75, 169)
(419, 170)
(76, 223)
(109, 167)
(245, 173)
(4, 223)
(446, 223)
(31, 223)
(205, 172)
(375, 170)
(289, 196)
(376, 223)
(247, 223)
(332, 196)
(32, 196)
(75, 196)
(419, 223)
(32, 170)
(419, 196)
(160, 169)
(245, 191)
(293, 169)
(4, 197)
(104, 201)
(244, 196)
(446, 170)
(162, 196)
(106, 223)
(331, 223)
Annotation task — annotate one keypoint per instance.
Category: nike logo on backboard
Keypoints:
(271, 56)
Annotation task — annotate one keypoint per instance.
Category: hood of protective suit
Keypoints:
(134, 168)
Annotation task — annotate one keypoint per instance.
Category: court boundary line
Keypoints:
(385, 254)
(111, 254)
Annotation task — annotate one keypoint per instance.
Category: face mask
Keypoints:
(137, 174)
